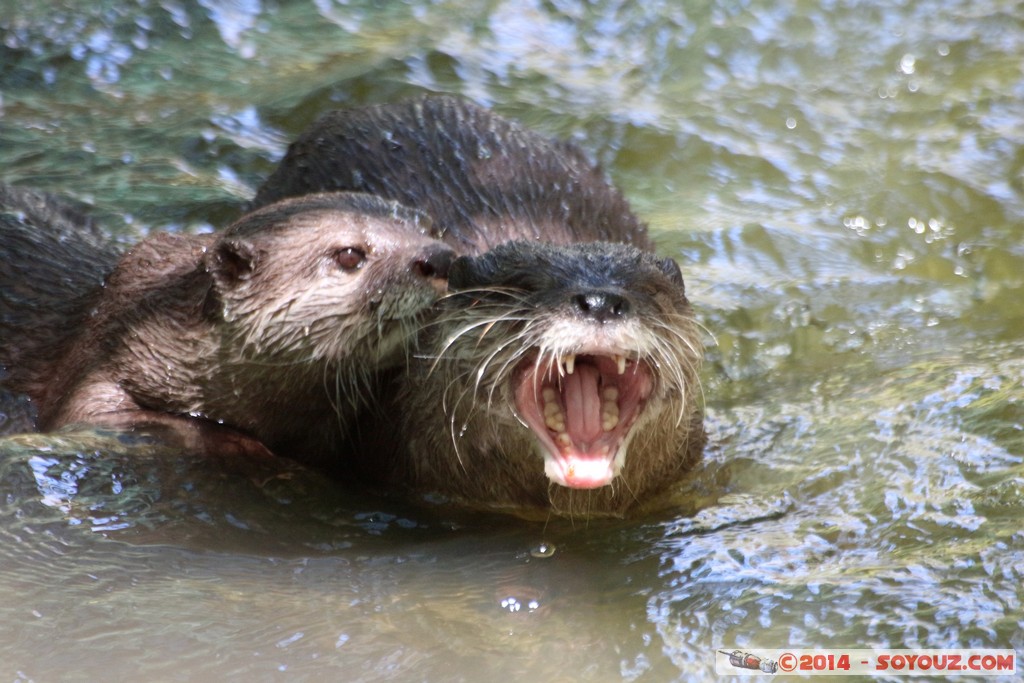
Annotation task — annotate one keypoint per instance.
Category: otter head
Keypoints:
(582, 345)
(325, 278)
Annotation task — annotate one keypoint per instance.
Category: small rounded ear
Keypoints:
(671, 269)
(232, 261)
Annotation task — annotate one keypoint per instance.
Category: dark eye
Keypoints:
(349, 258)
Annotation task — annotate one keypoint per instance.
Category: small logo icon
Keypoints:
(746, 660)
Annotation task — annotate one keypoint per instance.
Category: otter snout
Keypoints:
(601, 305)
(433, 262)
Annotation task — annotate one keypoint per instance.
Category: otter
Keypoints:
(274, 327)
(564, 344)
(553, 363)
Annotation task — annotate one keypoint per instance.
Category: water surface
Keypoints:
(843, 184)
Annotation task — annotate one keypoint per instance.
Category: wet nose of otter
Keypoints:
(434, 263)
(601, 306)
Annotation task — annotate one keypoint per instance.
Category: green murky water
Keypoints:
(843, 183)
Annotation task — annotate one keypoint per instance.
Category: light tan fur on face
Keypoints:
(300, 305)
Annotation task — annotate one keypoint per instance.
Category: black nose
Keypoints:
(601, 306)
(434, 262)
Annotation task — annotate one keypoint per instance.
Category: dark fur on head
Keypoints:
(483, 179)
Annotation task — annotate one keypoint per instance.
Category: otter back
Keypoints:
(482, 178)
(52, 261)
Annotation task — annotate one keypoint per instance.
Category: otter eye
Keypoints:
(349, 258)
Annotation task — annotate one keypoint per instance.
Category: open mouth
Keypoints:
(581, 408)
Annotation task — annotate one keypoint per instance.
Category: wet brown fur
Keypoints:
(257, 327)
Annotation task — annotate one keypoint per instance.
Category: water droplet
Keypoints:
(511, 604)
(908, 64)
(388, 138)
(543, 550)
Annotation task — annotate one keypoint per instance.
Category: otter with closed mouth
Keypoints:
(561, 371)
(274, 328)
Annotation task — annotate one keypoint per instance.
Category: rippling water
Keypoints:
(843, 183)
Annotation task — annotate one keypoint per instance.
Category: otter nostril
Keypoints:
(601, 306)
(434, 263)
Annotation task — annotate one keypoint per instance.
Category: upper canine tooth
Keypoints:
(570, 362)
(621, 360)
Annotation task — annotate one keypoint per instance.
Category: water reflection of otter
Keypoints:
(547, 363)
(272, 327)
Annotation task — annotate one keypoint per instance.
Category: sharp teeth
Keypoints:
(570, 362)
(555, 423)
(554, 418)
(609, 408)
(621, 360)
(609, 415)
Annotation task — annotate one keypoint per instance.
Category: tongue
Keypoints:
(582, 405)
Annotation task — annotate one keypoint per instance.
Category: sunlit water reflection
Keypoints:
(843, 184)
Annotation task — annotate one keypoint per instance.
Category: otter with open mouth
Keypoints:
(584, 355)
